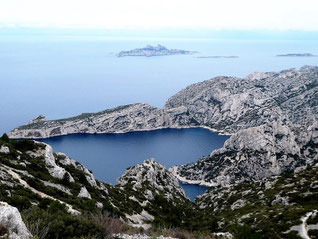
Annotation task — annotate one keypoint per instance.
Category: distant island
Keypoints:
(297, 55)
(158, 50)
(217, 57)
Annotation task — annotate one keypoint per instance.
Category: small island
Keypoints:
(297, 55)
(158, 50)
(217, 57)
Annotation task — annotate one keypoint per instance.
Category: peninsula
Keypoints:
(158, 50)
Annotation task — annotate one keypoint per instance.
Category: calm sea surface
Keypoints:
(108, 155)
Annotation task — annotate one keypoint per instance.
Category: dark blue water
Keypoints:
(192, 191)
(108, 155)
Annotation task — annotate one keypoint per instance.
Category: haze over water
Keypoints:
(62, 76)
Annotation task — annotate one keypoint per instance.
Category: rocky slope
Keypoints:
(30, 171)
(279, 207)
(229, 104)
(255, 153)
(226, 104)
(59, 197)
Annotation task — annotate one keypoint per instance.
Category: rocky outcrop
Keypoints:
(272, 207)
(4, 149)
(84, 193)
(151, 183)
(11, 223)
(155, 175)
(118, 120)
(253, 154)
(226, 104)
(149, 51)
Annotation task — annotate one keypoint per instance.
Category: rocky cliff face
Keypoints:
(226, 104)
(255, 153)
(278, 207)
(229, 104)
(118, 120)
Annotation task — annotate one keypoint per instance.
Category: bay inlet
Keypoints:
(108, 155)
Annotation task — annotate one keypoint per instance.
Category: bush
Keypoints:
(245, 232)
(55, 222)
(24, 145)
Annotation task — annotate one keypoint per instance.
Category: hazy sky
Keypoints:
(143, 14)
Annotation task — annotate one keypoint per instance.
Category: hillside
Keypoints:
(41, 183)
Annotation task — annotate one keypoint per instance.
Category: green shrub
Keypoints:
(5, 138)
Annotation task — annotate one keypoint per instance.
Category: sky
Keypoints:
(160, 14)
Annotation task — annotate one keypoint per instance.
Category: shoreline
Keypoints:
(173, 170)
(130, 131)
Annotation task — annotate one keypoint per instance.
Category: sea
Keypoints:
(64, 75)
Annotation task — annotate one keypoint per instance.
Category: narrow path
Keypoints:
(303, 231)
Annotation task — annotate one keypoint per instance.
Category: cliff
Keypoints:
(253, 154)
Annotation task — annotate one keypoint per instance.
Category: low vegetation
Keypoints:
(263, 209)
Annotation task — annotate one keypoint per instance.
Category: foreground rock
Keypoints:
(226, 104)
(11, 223)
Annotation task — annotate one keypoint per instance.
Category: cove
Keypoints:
(108, 155)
